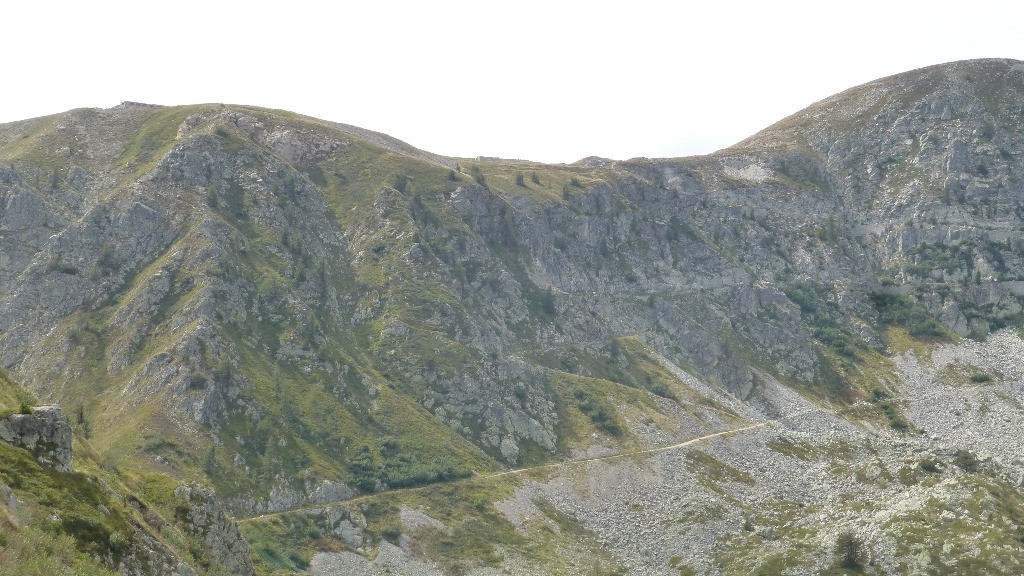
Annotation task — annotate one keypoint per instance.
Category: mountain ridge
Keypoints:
(302, 313)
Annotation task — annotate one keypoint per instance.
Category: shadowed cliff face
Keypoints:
(304, 310)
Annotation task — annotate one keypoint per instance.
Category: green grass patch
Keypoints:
(894, 415)
(86, 514)
(33, 551)
(799, 450)
(601, 414)
(713, 472)
(155, 136)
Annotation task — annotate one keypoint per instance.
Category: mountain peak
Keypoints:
(963, 90)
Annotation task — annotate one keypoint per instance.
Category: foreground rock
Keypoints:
(45, 432)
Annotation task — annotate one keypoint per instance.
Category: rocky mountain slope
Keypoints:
(383, 359)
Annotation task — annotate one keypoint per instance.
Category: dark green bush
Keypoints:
(660, 389)
(401, 465)
(896, 419)
(400, 182)
(105, 257)
(478, 175)
(849, 550)
(210, 461)
(599, 412)
(85, 529)
(299, 560)
(543, 302)
(363, 469)
(834, 338)
(803, 296)
(404, 471)
(900, 310)
(967, 461)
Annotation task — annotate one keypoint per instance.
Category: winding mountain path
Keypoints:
(624, 454)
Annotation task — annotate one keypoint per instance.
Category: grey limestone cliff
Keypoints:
(44, 432)
(202, 518)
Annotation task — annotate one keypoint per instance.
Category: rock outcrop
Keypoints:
(201, 517)
(45, 432)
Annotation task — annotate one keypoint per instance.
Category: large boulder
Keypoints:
(45, 433)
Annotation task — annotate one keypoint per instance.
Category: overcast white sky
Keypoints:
(543, 80)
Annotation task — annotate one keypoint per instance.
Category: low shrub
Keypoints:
(966, 461)
(900, 310)
(849, 550)
(600, 413)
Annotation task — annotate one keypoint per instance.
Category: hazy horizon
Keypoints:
(544, 81)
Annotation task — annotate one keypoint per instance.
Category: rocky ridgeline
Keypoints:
(888, 188)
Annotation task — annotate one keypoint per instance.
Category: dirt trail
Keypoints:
(625, 454)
